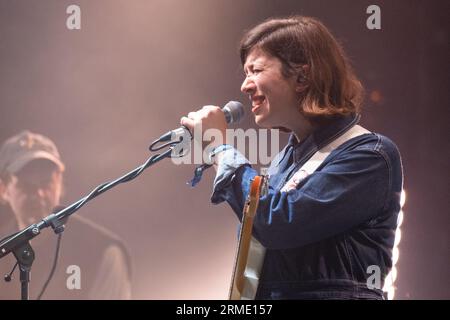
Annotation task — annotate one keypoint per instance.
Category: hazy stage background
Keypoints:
(104, 92)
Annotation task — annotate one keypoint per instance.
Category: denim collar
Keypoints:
(321, 136)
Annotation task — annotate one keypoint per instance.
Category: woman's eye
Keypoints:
(252, 72)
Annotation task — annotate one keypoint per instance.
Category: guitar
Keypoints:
(250, 253)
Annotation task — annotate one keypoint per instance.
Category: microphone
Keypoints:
(233, 110)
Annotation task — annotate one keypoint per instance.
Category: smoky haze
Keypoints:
(104, 92)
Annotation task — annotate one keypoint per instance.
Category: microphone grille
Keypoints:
(234, 111)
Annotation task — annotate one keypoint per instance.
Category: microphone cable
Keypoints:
(52, 271)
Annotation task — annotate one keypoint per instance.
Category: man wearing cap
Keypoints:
(92, 262)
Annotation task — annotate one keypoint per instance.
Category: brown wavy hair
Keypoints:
(332, 88)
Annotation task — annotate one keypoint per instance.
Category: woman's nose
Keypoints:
(248, 86)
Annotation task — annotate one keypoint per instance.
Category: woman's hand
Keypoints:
(203, 120)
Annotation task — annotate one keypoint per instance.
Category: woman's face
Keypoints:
(274, 98)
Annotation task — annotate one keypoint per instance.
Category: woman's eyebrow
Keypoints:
(252, 64)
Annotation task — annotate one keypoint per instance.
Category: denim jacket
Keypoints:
(324, 237)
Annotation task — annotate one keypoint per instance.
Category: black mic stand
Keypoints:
(19, 243)
(25, 257)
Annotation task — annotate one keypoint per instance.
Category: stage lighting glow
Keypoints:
(389, 282)
(400, 219)
(398, 237)
(402, 198)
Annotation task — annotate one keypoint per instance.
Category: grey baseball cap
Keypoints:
(20, 149)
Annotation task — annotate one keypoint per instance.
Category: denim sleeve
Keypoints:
(345, 192)
(232, 182)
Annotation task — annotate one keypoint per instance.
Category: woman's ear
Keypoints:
(302, 78)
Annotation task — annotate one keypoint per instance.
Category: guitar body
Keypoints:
(250, 253)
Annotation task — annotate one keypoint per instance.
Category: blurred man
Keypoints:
(92, 262)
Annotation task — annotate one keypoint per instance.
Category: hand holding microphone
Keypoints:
(208, 117)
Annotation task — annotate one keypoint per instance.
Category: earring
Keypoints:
(301, 78)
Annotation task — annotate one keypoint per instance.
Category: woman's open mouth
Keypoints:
(257, 101)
